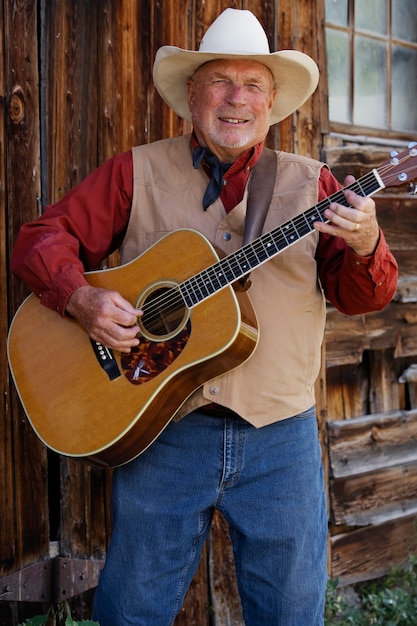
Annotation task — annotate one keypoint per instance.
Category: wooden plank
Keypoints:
(375, 497)
(397, 217)
(223, 584)
(347, 337)
(124, 75)
(85, 510)
(370, 552)
(72, 94)
(407, 289)
(384, 393)
(347, 391)
(7, 535)
(25, 457)
(299, 27)
(172, 23)
(372, 442)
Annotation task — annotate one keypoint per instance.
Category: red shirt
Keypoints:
(74, 235)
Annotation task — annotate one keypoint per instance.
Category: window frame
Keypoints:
(390, 41)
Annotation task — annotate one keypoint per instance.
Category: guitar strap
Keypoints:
(261, 186)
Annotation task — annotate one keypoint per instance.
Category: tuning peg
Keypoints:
(393, 160)
(412, 189)
(412, 147)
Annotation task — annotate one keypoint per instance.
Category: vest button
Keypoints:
(227, 236)
(214, 390)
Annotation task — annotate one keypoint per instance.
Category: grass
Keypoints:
(389, 601)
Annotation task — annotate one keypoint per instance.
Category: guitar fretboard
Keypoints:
(236, 265)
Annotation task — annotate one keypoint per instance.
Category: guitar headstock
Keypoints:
(401, 168)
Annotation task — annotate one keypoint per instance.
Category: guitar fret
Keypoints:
(262, 250)
(208, 282)
(218, 279)
(269, 244)
(305, 227)
(254, 255)
(199, 287)
(188, 294)
(243, 262)
(234, 266)
(229, 271)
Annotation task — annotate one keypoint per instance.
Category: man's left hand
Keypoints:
(356, 224)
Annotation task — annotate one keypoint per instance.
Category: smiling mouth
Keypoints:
(233, 120)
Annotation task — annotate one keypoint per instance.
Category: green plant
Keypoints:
(389, 601)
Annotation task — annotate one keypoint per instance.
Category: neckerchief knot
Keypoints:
(217, 171)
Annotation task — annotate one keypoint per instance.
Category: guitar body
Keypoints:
(77, 408)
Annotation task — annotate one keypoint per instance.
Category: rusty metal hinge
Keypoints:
(53, 580)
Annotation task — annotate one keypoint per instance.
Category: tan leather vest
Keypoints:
(277, 381)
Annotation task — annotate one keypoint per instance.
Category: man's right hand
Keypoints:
(106, 316)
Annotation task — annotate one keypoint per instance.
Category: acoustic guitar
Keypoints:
(88, 402)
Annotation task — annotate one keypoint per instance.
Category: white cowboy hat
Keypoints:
(236, 34)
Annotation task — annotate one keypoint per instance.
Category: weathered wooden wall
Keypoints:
(75, 88)
(371, 401)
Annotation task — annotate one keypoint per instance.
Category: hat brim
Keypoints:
(295, 74)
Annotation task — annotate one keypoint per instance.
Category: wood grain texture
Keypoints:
(370, 552)
(24, 461)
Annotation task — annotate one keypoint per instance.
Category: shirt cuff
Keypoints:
(377, 265)
(64, 286)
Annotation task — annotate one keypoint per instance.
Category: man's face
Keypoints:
(230, 102)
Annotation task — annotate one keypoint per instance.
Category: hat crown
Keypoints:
(235, 32)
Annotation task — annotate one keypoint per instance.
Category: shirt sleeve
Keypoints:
(74, 235)
(354, 284)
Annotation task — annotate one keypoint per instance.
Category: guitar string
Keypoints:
(255, 252)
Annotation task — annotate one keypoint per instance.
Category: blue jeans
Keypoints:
(268, 484)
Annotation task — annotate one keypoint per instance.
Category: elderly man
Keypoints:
(245, 442)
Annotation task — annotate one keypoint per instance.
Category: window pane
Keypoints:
(371, 15)
(337, 12)
(338, 75)
(370, 83)
(404, 89)
(404, 19)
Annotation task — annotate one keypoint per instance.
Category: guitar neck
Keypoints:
(236, 265)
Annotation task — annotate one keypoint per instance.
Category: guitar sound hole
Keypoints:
(164, 313)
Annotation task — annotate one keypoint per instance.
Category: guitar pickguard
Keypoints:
(150, 358)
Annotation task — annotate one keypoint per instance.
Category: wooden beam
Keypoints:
(372, 442)
(370, 552)
(389, 493)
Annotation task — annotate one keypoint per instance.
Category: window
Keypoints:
(372, 63)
